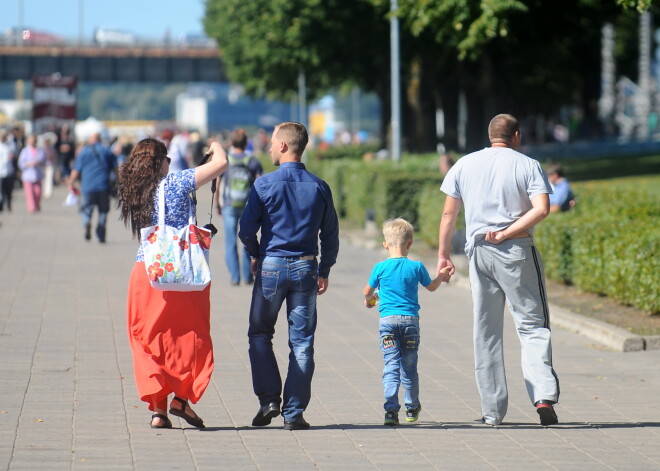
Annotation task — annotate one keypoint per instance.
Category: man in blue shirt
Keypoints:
(294, 210)
(93, 166)
(562, 198)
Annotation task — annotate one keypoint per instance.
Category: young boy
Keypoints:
(396, 280)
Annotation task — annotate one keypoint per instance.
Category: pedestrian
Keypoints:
(396, 280)
(47, 140)
(31, 161)
(94, 166)
(169, 331)
(505, 194)
(7, 173)
(66, 152)
(562, 198)
(235, 185)
(294, 210)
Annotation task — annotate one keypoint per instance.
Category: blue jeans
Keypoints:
(293, 280)
(100, 199)
(231, 216)
(399, 342)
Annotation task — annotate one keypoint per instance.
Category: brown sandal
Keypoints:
(194, 421)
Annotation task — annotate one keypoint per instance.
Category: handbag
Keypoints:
(176, 259)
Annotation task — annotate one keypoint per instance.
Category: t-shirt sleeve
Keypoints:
(538, 181)
(450, 183)
(373, 279)
(423, 275)
(184, 180)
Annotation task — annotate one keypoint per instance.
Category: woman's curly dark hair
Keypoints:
(137, 183)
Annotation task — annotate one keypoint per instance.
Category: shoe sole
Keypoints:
(296, 427)
(547, 415)
(411, 419)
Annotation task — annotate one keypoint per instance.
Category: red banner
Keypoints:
(54, 99)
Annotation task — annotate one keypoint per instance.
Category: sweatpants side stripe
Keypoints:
(544, 300)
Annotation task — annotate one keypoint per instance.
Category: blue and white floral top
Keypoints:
(178, 187)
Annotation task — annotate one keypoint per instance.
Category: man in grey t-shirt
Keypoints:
(505, 194)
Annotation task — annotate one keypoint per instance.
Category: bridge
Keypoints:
(127, 64)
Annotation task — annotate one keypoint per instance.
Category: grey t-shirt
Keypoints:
(496, 185)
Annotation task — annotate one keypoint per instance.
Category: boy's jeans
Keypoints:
(399, 341)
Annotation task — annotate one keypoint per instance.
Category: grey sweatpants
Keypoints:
(511, 270)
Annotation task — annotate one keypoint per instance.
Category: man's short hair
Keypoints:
(397, 232)
(295, 136)
(239, 139)
(502, 128)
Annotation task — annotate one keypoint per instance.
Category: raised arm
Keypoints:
(216, 165)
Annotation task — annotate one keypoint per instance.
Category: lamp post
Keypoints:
(395, 82)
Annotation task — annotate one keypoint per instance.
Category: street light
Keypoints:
(395, 82)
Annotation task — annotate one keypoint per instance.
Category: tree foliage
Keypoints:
(265, 44)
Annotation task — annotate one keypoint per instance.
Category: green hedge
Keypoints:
(609, 244)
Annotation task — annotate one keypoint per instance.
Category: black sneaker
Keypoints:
(297, 423)
(413, 414)
(546, 413)
(391, 418)
(266, 414)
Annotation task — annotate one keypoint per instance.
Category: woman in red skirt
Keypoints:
(169, 331)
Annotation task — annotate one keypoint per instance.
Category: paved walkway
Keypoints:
(68, 399)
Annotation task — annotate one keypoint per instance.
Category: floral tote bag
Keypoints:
(176, 259)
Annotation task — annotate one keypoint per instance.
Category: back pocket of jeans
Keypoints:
(269, 281)
(411, 337)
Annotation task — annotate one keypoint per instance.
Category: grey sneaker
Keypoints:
(391, 418)
(413, 414)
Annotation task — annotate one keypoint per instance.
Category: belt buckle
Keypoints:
(306, 257)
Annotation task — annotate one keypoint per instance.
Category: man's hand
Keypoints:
(323, 285)
(443, 263)
(495, 237)
(254, 262)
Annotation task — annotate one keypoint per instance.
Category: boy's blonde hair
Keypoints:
(397, 232)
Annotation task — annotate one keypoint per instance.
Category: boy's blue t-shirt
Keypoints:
(397, 281)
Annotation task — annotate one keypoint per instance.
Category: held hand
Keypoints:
(323, 285)
(495, 237)
(444, 274)
(445, 263)
(254, 262)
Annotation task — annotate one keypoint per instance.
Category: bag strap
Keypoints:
(194, 193)
(192, 216)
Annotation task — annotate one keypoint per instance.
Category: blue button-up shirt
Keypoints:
(294, 210)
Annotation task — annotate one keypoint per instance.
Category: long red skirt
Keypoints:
(170, 335)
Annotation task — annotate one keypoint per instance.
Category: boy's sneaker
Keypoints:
(546, 413)
(413, 414)
(391, 418)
